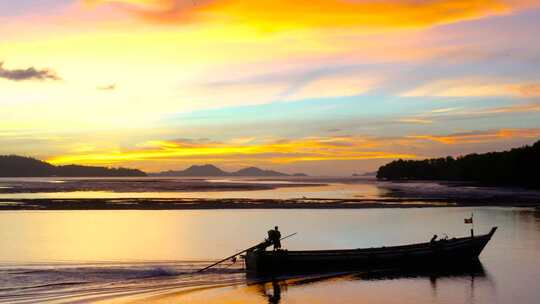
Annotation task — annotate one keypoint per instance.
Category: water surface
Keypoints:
(147, 256)
(284, 188)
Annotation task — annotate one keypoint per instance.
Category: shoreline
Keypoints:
(14, 186)
(225, 204)
(285, 193)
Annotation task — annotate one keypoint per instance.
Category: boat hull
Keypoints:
(424, 255)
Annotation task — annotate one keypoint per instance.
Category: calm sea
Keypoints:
(148, 256)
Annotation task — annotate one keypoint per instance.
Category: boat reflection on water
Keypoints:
(472, 269)
(272, 289)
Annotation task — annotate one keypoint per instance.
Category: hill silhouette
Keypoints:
(19, 166)
(211, 170)
(516, 167)
(254, 171)
(195, 170)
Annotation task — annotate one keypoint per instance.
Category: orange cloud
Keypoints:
(478, 137)
(529, 90)
(475, 86)
(272, 15)
(164, 154)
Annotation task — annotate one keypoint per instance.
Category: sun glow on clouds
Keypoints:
(479, 137)
(249, 151)
(282, 151)
(281, 15)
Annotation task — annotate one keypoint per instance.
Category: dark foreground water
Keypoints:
(148, 256)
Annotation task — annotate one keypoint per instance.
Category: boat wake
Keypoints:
(94, 282)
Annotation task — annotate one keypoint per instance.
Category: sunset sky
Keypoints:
(325, 87)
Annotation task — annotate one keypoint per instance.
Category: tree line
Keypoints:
(516, 167)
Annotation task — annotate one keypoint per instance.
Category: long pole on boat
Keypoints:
(232, 256)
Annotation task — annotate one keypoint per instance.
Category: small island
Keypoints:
(211, 170)
(517, 167)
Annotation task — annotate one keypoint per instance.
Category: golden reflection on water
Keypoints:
(327, 191)
(101, 235)
(343, 288)
(211, 234)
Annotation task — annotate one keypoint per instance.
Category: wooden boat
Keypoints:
(448, 252)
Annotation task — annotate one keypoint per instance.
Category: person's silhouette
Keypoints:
(277, 238)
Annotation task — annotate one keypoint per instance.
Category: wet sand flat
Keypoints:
(48, 185)
(249, 193)
(203, 204)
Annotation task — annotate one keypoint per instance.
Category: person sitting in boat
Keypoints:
(274, 237)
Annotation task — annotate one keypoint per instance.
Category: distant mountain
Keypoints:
(254, 171)
(211, 170)
(19, 166)
(204, 170)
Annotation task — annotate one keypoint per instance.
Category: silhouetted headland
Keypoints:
(19, 166)
(517, 167)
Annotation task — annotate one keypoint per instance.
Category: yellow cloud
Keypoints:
(164, 154)
(275, 15)
(415, 121)
(284, 151)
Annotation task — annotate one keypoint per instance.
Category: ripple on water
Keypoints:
(10, 203)
(85, 282)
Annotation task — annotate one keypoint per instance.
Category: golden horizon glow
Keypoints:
(286, 151)
(246, 152)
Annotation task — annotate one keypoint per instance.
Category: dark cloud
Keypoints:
(30, 73)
